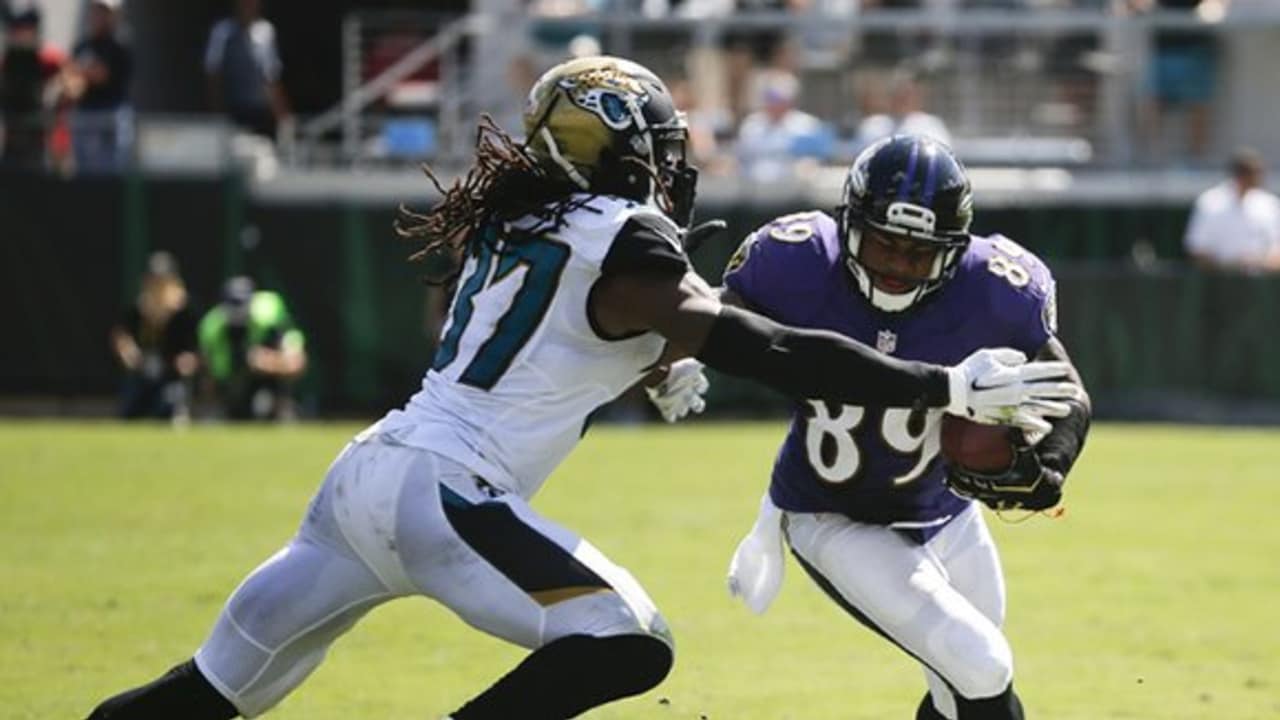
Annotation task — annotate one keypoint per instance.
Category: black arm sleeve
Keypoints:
(1059, 449)
(818, 364)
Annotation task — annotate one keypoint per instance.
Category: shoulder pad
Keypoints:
(1020, 271)
(1019, 288)
(591, 230)
(646, 243)
(781, 262)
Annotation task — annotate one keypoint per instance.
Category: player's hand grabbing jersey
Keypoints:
(875, 464)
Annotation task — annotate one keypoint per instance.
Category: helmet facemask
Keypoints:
(904, 197)
(677, 180)
(860, 242)
(610, 127)
(650, 161)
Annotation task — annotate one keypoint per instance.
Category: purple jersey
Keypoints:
(881, 465)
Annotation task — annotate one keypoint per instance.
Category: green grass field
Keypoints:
(1155, 596)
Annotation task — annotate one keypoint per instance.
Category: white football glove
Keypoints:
(999, 387)
(756, 570)
(680, 393)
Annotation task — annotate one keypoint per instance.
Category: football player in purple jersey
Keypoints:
(867, 506)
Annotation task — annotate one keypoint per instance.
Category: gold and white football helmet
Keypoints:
(610, 126)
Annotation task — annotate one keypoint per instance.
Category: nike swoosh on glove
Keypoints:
(998, 386)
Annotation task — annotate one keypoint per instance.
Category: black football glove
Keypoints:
(1026, 485)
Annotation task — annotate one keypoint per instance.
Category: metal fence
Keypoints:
(1035, 87)
(1067, 88)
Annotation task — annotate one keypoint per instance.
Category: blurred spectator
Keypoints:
(243, 68)
(702, 127)
(584, 45)
(772, 139)
(253, 352)
(887, 47)
(1235, 225)
(753, 54)
(97, 82)
(698, 9)
(27, 68)
(902, 114)
(522, 72)
(1183, 70)
(155, 343)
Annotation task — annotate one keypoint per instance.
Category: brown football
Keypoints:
(974, 446)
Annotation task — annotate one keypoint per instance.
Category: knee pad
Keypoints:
(976, 665)
(603, 615)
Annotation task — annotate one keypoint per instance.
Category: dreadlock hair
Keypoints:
(504, 183)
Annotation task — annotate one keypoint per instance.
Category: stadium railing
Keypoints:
(1027, 87)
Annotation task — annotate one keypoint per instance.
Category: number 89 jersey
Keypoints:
(881, 465)
(520, 365)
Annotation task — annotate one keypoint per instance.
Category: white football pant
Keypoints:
(943, 602)
(390, 521)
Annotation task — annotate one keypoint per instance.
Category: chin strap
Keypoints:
(561, 161)
(882, 300)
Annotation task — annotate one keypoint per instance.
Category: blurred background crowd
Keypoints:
(1108, 83)
(263, 145)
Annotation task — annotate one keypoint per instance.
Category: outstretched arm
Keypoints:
(800, 363)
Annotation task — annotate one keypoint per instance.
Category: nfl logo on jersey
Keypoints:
(886, 341)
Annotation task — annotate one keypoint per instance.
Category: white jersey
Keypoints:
(520, 365)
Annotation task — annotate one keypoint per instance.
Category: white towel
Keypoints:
(755, 572)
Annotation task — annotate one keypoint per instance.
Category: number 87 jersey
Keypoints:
(521, 365)
(881, 465)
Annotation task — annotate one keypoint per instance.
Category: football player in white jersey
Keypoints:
(571, 280)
